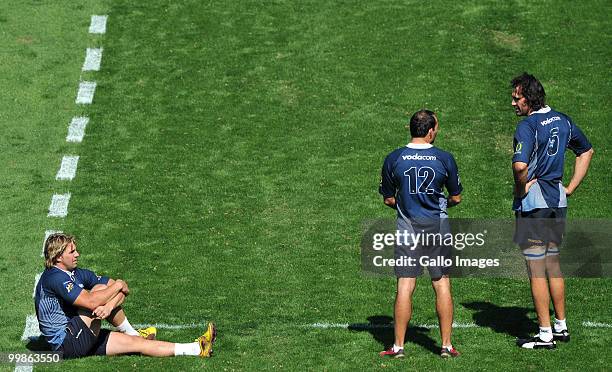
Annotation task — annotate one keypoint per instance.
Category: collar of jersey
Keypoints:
(70, 273)
(543, 110)
(419, 146)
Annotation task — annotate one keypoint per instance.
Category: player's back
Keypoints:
(418, 174)
(552, 131)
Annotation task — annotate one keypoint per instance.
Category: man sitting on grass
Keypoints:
(71, 302)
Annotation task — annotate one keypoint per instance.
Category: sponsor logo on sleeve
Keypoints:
(518, 148)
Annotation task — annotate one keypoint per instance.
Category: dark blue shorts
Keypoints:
(80, 341)
(540, 227)
(412, 257)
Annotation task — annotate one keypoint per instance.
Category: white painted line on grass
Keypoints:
(47, 233)
(31, 328)
(86, 92)
(93, 58)
(171, 326)
(68, 168)
(59, 205)
(588, 324)
(36, 279)
(76, 130)
(21, 368)
(98, 24)
(382, 326)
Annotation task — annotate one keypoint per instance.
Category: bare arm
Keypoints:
(102, 312)
(124, 289)
(91, 300)
(116, 301)
(580, 170)
(521, 185)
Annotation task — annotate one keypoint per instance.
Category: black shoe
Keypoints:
(536, 342)
(562, 336)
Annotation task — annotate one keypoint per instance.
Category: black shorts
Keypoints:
(80, 341)
(540, 227)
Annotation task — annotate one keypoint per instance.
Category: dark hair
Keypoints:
(421, 122)
(531, 89)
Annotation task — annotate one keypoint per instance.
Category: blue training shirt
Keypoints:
(56, 292)
(540, 140)
(416, 176)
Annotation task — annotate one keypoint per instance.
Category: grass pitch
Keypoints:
(234, 150)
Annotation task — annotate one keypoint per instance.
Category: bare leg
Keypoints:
(444, 307)
(90, 321)
(557, 285)
(539, 290)
(403, 308)
(119, 343)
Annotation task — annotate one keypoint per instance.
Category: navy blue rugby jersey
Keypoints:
(416, 176)
(56, 292)
(540, 140)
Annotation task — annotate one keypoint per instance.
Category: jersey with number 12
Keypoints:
(416, 176)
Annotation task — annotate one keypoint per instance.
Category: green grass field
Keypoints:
(234, 151)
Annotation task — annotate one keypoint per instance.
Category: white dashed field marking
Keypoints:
(68, 168)
(36, 279)
(59, 205)
(31, 328)
(98, 24)
(93, 58)
(86, 92)
(76, 129)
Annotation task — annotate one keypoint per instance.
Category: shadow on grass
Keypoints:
(38, 344)
(381, 328)
(512, 320)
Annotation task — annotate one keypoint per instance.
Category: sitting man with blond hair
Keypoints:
(71, 302)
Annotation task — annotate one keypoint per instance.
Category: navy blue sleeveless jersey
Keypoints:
(416, 176)
(56, 292)
(540, 140)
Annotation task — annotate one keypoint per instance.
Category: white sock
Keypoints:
(560, 325)
(192, 348)
(127, 328)
(546, 334)
(449, 346)
(397, 348)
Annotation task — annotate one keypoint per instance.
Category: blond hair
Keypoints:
(55, 245)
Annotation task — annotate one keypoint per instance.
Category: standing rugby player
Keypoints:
(412, 182)
(540, 199)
